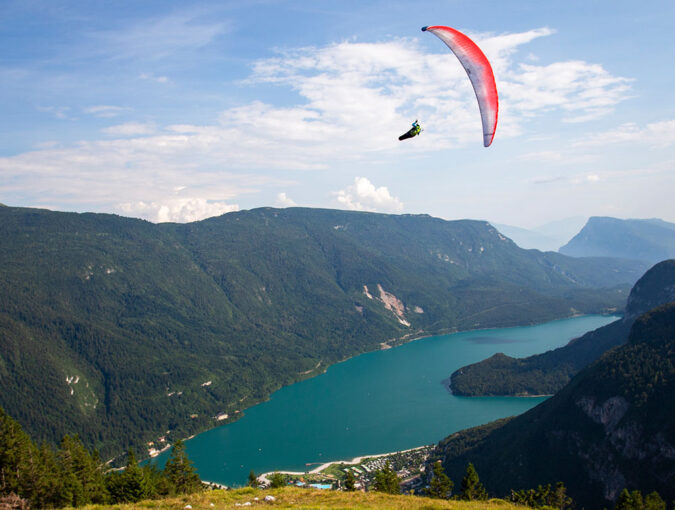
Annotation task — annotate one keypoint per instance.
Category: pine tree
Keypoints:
(638, 503)
(387, 481)
(519, 496)
(35, 475)
(252, 479)
(350, 482)
(134, 486)
(81, 472)
(440, 485)
(653, 501)
(559, 498)
(155, 483)
(96, 490)
(277, 480)
(49, 492)
(15, 446)
(472, 489)
(128, 486)
(625, 501)
(71, 490)
(180, 472)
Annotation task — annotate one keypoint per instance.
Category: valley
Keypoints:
(378, 402)
(144, 314)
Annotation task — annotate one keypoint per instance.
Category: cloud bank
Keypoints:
(364, 196)
(354, 99)
(179, 210)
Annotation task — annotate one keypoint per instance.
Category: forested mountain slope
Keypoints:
(545, 374)
(124, 331)
(612, 426)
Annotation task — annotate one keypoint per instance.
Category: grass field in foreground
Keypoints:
(292, 497)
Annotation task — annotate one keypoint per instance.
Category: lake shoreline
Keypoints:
(326, 465)
(447, 384)
(402, 340)
(403, 379)
(397, 342)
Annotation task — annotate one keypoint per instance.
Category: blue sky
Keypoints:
(176, 111)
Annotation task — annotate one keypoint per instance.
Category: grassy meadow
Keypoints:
(297, 498)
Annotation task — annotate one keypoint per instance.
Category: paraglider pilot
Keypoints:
(415, 130)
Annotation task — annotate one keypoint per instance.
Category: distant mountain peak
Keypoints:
(547, 237)
(650, 240)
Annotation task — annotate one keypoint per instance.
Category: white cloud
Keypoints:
(585, 178)
(60, 112)
(548, 179)
(542, 156)
(565, 158)
(354, 100)
(577, 179)
(364, 196)
(47, 144)
(284, 201)
(581, 91)
(152, 77)
(647, 173)
(130, 129)
(161, 170)
(159, 38)
(105, 111)
(179, 210)
(657, 134)
(383, 86)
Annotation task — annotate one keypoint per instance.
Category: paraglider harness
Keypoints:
(415, 130)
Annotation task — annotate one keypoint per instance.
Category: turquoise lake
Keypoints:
(377, 402)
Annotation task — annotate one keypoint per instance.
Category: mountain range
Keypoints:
(611, 427)
(127, 332)
(547, 237)
(651, 240)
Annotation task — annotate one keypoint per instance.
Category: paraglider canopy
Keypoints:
(480, 73)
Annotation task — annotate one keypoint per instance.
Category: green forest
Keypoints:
(71, 475)
(541, 374)
(126, 332)
(34, 476)
(611, 426)
(546, 373)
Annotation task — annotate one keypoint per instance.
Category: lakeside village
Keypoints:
(409, 466)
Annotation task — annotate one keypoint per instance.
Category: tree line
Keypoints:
(42, 476)
(471, 489)
(440, 485)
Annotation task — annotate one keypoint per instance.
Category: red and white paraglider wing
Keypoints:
(480, 73)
